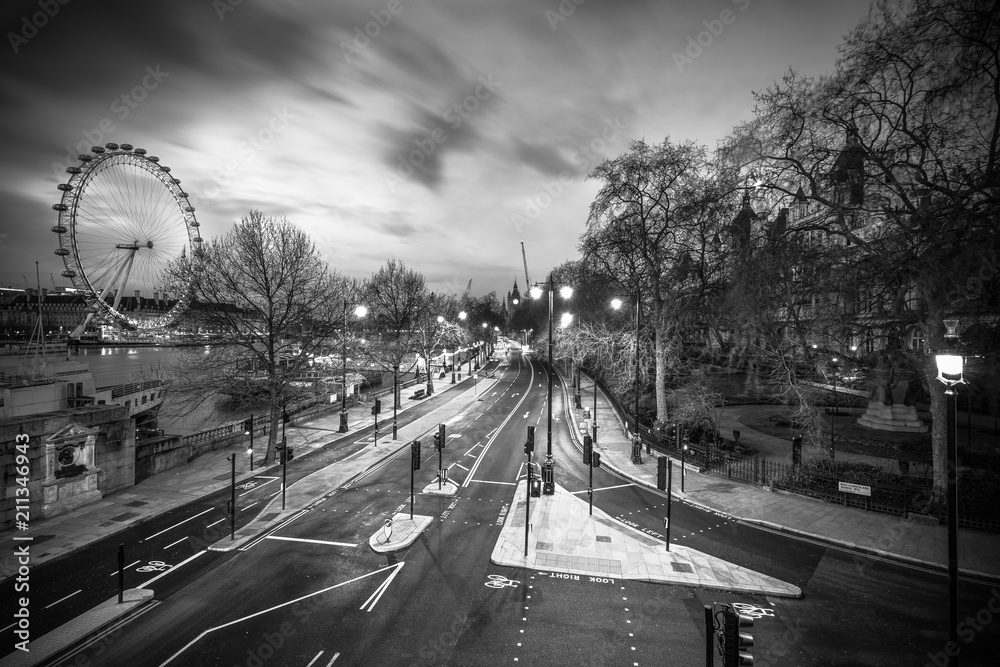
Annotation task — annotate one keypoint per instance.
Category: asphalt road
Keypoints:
(313, 594)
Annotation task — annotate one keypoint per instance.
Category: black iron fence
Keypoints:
(904, 496)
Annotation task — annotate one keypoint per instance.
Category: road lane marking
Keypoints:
(489, 481)
(333, 659)
(177, 524)
(175, 567)
(377, 595)
(302, 539)
(61, 599)
(259, 486)
(489, 441)
(115, 573)
(607, 488)
(314, 659)
(216, 523)
(177, 542)
(191, 643)
(456, 463)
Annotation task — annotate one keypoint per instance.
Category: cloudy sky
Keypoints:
(441, 133)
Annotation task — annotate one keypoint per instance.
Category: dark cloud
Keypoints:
(544, 159)
(416, 152)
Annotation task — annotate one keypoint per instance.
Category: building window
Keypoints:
(917, 341)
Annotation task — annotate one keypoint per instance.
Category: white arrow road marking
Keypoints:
(525, 415)
(377, 595)
(396, 568)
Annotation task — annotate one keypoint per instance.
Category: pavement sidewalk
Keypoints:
(885, 535)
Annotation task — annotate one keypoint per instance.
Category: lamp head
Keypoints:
(536, 292)
(949, 368)
(361, 311)
(565, 291)
(616, 303)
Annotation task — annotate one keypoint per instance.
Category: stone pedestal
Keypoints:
(897, 418)
(65, 495)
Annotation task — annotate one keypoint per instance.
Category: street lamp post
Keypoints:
(548, 468)
(833, 414)
(395, 395)
(636, 439)
(950, 374)
(359, 311)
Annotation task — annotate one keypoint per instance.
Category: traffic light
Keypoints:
(247, 426)
(734, 641)
(285, 418)
(596, 458)
(661, 473)
(588, 449)
(415, 454)
(529, 443)
(439, 439)
(377, 408)
(796, 450)
(671, 432)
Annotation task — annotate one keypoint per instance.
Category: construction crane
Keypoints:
(527, 280)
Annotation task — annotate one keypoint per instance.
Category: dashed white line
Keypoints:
(333, 659)
(61, 599)
(177, 524)
(215, 523)
(115, 573)
(173, 543)
(314, 659)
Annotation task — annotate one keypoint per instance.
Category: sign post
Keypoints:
(387, 530)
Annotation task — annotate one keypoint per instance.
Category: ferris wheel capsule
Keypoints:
(126, 147)
(111, 146)
(97, 149)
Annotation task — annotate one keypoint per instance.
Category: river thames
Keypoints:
(113, 365)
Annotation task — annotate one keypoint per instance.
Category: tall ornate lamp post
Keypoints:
(636, 439)
(950, 367)
(548, 468)
(359, 311)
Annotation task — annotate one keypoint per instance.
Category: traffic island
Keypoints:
(88, 625)
(398, 533)
(447, 489)
(564, 537)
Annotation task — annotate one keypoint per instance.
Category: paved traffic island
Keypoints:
(398, 533)
(563, 537)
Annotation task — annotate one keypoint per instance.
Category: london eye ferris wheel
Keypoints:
(122, 219)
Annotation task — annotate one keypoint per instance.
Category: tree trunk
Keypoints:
(272, 434)
(939, 433)
(661, 370)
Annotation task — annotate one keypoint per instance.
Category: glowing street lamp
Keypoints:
(359, 311)
(950, 368)
(548, 468)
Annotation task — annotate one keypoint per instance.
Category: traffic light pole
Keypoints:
(709, 635)
(412, 473)
(232, 500)
(251, 442)
(527, 507)
(548, 479)
(670, 483)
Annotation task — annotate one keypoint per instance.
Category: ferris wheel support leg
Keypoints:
(123, 275)
(78, 332)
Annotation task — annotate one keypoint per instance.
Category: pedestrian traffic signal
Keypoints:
(596, 458)
(415, 454)
(529, 443)
(734, 641)
(661, 473)
(377, 408)
(588, 449)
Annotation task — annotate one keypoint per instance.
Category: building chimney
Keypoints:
(45, 293)
(156, 297)
(137, 295)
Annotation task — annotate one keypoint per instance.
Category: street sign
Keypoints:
(387, 529)
(860, 489)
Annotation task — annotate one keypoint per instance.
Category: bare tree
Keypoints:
(264, 288)
(900, 147)
(649, 227)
